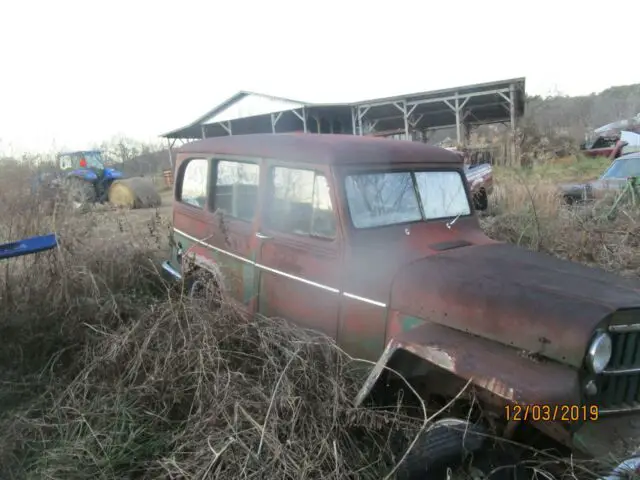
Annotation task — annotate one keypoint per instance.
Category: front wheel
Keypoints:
(446, 444)
(202, 285)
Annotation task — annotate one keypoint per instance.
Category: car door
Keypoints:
(300, 254)
(190, 209)
(232, 226)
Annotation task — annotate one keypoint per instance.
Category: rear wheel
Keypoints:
(481, 200)
(77, 193)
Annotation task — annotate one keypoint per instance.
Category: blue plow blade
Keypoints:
(28, 246)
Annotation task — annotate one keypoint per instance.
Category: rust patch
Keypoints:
(499, 369)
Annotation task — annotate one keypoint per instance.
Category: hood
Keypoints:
(525, 299)
(594, 188)
(574, 188)
(112, 173)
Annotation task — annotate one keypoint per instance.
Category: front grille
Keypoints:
(619, 385)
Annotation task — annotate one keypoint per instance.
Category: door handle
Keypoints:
(262, 236)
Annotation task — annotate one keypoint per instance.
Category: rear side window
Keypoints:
(195, 178)
(300, 203)
(236, 192)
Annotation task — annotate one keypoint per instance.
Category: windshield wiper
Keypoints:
(450, 224)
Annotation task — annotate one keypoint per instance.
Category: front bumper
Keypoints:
(628, 469)
(170, 272)
(616, 437)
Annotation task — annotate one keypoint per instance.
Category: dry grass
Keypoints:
(526, 210)
(108, 373)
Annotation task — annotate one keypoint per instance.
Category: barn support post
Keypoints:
(170, 144)
(510, 104)
(274, 121)
(318, 121)
(457, 108)
(458, 126)
(227, 126)
(204, 131)
(409, 124)
(303, 118)
(513, 121)
(353, 121)
(362, 111)
(406, 120)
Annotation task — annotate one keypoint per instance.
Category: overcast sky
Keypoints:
(78, 72)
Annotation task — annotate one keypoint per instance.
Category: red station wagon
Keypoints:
(375, 243)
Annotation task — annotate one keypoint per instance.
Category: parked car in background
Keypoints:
(603, 141)
(480, 178)
(625, 163)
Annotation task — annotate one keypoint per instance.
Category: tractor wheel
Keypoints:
(77, 193)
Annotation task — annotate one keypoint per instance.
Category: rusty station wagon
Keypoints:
(376, 243)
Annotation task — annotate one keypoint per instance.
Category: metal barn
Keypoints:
(408, 116)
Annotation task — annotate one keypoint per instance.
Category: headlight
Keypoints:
(599, 352)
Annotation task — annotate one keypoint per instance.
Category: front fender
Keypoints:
(83, 174)
(502, 370)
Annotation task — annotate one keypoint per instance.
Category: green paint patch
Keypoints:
(248, 282)
(408, 322)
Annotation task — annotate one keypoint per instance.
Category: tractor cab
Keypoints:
(81, 160)
(88, 165)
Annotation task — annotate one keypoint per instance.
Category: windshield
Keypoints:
(74, 160)
(94, 159)
(623, 168)
(378, 199)
(632, 142)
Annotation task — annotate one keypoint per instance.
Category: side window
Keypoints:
(237, 189)
(195, 177)
(66, 162)
(300, 203)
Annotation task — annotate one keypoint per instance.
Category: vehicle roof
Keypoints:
(629, 156)
(72, 152)
(332, 149)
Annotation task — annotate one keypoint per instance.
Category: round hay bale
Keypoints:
(134, 192)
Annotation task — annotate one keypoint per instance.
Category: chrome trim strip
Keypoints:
(166, 266)
(279, 272)
(299, 279)
(208, 245)
(365, 300)
(621, 371)
(612, 411)
(635, 327)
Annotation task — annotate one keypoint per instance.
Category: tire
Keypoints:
(77, 193)
(202, 285)
(481, 200)
(445, 445)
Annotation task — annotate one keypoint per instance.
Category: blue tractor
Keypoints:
(82, 178)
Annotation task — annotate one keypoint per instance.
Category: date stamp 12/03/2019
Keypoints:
(551, 413)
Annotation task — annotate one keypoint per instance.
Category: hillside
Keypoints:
(573, 116)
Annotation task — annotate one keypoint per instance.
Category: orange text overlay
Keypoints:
(551, 413)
